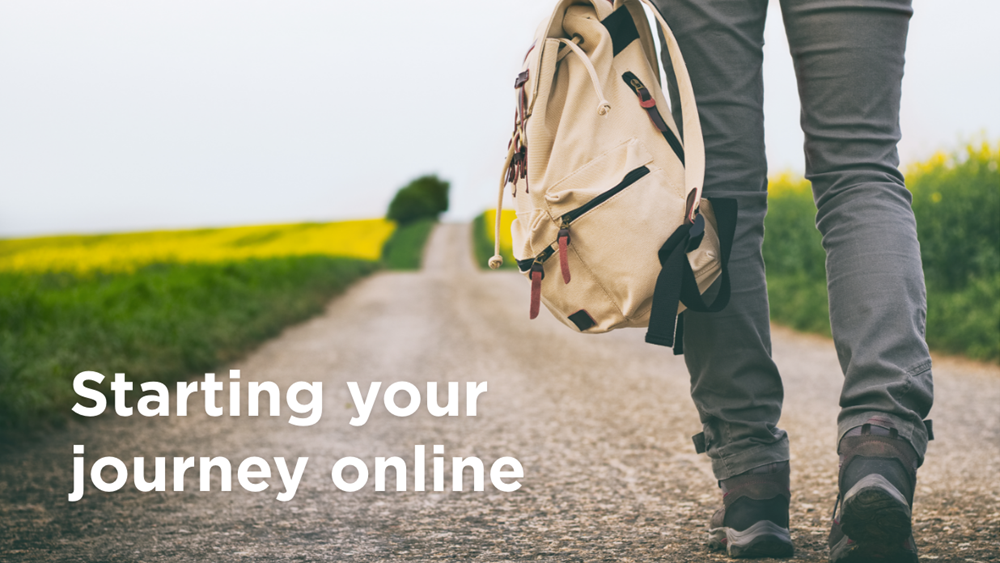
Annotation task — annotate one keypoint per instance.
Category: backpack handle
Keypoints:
(694, 144)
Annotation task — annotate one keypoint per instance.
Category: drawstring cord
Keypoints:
(496, 260)
(603, 107)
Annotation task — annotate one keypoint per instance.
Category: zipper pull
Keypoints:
(646, 99)
(537, 274)
(563, 251)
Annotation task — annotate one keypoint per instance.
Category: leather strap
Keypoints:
(694, 145)
(537, 274)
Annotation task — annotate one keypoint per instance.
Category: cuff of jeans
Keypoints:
(732, 465)
(914, 432)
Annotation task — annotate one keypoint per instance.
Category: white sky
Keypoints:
(133, 115)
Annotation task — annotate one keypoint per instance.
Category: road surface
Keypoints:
(600, 424)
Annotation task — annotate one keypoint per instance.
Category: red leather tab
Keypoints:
(564, 254)
(656, 118)
(536, 292)
(650, 103)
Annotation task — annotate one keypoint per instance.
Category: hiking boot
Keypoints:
(871, 521)
(754, 519)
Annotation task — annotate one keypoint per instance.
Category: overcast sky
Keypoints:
(133, 115)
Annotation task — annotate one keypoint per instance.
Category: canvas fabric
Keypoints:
(584, 131)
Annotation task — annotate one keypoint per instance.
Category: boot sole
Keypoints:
(846, 551)
(763, 539)
(876, 513)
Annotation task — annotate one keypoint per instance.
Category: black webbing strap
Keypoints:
(725, 218)
(679, 335)
(667, 292)
(700, 444)
(621, 27)
(676, 283)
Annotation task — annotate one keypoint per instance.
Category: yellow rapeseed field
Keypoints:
(506, 218)
(125, 252)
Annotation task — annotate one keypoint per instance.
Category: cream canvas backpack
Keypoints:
(611, 228)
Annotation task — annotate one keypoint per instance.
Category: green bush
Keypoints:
(799, 301)
(956, 200)
(423, 198)
(793, 245)
(163, 322)
(966, 321)
(405, 248)
(794, 256)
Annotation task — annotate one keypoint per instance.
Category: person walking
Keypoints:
(848, 57)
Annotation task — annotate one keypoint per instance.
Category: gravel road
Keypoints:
(600, 424)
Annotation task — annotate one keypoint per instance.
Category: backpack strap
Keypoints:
(676, 283)
(694, 145)
(725, 213)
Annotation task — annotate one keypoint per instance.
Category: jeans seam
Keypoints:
(919, 368)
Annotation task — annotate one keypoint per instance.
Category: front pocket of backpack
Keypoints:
(601, 174)
(617, 237)
(633, 176)
(524, 232)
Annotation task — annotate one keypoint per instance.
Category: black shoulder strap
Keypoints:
(676, 284)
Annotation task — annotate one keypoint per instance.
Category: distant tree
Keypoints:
(425, 197)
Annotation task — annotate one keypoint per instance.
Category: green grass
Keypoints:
(956, 201)
(163, 322)
(405, 248)
(966, 321)
(799, 302)
(482, 245)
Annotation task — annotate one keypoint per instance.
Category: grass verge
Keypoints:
(482, 239)
(162, 322)
(405, 248)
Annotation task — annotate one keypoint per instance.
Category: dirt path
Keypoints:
(601, 428)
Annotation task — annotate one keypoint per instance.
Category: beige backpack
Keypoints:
(611, 228)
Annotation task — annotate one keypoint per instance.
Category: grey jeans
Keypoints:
(848, 57)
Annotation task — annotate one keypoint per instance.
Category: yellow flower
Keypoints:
(506, 218)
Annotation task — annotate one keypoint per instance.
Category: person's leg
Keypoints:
(734, 383)
(849, 62)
